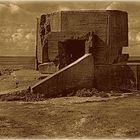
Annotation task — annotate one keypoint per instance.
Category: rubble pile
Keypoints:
(23, 95)
(28, 96)
(94, 92)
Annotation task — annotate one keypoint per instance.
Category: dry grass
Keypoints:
(24, 77)
(54, 119)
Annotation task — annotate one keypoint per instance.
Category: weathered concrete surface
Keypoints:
(103, 33)
(116, 77)
(78, 74)
(109, 26)
(135, 67)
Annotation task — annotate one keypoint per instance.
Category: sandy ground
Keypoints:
(61, 118)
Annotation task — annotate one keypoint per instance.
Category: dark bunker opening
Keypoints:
(70, 50)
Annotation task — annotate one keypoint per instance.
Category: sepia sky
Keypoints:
(18, 22)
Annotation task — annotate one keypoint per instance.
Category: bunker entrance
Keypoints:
(70, 50)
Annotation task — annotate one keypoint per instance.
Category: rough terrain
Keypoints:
(23, 78)
(71, 117)
(66, 117)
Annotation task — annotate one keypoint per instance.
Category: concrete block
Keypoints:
(78, 74)
(48, 67)
(116, 77)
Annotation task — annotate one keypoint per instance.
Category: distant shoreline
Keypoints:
(17, 60)
(17, 56)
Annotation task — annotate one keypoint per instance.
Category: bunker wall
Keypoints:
(55, 22)
(110, 28)
(116, 77)
(79, 74)
(118, 35)
(89, 21)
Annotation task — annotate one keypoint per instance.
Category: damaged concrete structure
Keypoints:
(86, 49)
(104, 31)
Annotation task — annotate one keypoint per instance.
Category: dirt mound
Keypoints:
(90, 92)
(22, 95)
(28, 95)
(84, 92)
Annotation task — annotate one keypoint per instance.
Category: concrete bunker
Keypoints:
(88, 47)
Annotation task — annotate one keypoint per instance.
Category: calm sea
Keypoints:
(17, 60)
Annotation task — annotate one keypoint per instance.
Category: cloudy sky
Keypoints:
(18, 22)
